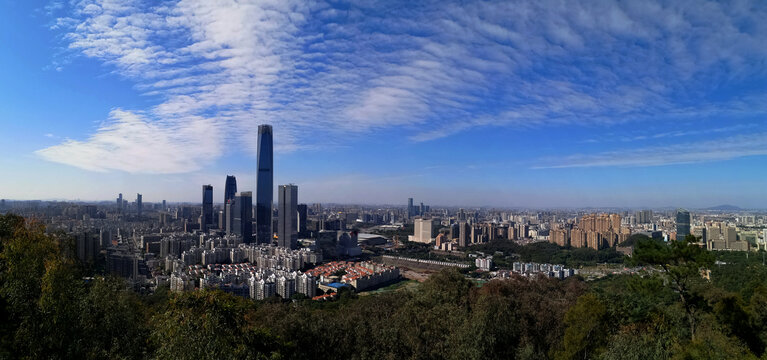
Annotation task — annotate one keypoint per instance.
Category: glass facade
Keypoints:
(230, 189)
(207, 206)
(242, 222)
(682, 224)
(264, 185)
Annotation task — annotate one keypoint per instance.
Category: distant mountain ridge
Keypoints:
(724, 208)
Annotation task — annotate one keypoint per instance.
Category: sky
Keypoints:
(546, 103)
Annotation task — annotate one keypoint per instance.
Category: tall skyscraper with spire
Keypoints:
(264, 185)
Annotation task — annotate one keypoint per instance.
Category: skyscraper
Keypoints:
(409, 207)
(287, 231)
(230, 189)
(120, 201)
(139, 206)
(242, 222)
(264, 185)
(207, 207)
(682, 224)
(303, 212)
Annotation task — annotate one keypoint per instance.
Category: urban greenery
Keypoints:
(50, 307)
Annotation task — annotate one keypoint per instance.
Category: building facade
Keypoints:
(264, 185)
(287, 230)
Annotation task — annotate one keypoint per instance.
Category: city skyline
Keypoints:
(623, 105)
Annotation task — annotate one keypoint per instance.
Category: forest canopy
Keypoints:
(51, 307)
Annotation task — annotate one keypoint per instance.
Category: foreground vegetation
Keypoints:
(48, 310)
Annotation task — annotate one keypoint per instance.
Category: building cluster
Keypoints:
(453, 230)
(484, 263)
(360, 275)
(536, 269)
(245, 279)
(596, 231)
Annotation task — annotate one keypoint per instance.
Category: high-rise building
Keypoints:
(229, 216)
(410, 207)
(644, 216)
(463, 233)
(422, 231)
(207, 207)
(242, 223)
(230, 189)
(264, 185)
(139, 206)
(682, 224)
(120, 201)
(287, 230)
(164, 206)
(303, 212)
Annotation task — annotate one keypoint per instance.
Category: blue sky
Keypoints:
(507, 103)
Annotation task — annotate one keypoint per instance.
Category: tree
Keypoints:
(586, 331)
(682, 262)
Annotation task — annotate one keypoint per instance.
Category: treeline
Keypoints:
(546, 252)
(49, 310)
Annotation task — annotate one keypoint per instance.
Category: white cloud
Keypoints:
(317, 72)
(669, 154)
(132, 143)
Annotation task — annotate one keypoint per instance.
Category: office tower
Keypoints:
(242, 223)
(287, 231)
(463, 233)
(682, 224)
(409, 207)
(120, 201)
(303, 212)
(139, 206)
(421, 210)
(422, 231)
(230, 189)
(229, 216)
(264, 185)
(207, 207)
(164, 206)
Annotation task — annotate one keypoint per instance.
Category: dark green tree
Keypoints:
(682, 262)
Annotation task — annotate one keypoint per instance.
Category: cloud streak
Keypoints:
(324, 70)
(727, 148)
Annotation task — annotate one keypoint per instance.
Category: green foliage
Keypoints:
(545, 252)
(211, 325)
(49, 310)
(682, 262)
(633, 239)
(586, 332)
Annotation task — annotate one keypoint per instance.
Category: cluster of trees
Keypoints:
(545, 252)
(50, 309)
